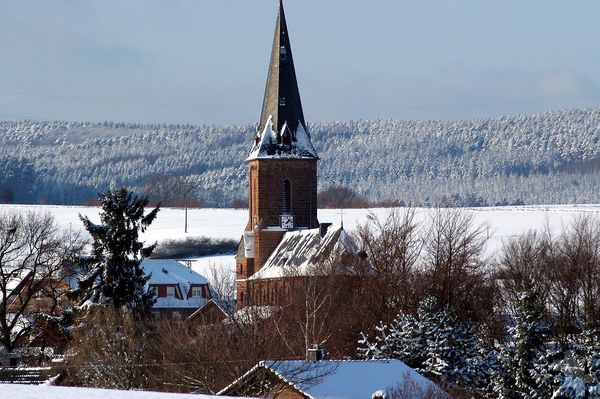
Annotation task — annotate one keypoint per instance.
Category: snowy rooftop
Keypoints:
(340, 379)
(299, 251)
(168, 271)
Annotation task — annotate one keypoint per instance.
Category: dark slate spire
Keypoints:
(282, 130)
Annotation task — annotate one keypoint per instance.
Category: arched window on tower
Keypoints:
(287, 196)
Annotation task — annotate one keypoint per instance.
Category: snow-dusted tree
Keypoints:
(517, 377)
(435, 343)
(115, 276)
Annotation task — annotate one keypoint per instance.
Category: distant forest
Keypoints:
(546, 158)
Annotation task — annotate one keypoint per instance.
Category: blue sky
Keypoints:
(205, 61)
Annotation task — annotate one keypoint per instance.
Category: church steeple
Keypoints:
(282, 170)
(282, 130)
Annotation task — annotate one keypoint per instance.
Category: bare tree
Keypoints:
(173, 190)
(392, 246)
(453, 256)
(32, 253)
(523, 266)
(564, 269)
(572, 276)
(222, 282)
(110, 348)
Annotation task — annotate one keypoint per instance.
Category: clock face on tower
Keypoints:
(287, 222)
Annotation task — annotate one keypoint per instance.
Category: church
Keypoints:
(283, 237)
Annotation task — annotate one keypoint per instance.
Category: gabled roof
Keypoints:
(340, 379)
(227, 307)
(300, 251)
(168, 271)
(282, 131)
(171, 272)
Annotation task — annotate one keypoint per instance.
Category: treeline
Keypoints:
(546, 158)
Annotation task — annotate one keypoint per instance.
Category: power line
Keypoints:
(237, 107)
(119, 101)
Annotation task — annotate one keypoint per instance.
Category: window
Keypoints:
(197, 292)
(282, 53)
(153, 291)
(170, 292)
(287, 196)
(282, 101)
(155, 315)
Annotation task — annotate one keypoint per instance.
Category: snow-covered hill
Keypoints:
(551, 158)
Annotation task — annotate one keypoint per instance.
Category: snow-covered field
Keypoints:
(501, 222)
(16, 391)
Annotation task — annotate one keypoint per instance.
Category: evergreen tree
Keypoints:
(517, 377)
(115, 275)
(435, 343)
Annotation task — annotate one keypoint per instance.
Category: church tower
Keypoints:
(282, 167)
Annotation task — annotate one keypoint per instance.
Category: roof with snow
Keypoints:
(282, 131)
(168, 271)
(300, 251)
(339, 379)
(172, 272)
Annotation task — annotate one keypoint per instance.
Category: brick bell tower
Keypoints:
(282, 168)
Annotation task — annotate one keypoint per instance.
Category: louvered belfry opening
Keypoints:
(287, 196)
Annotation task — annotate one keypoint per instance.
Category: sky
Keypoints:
(205, 61)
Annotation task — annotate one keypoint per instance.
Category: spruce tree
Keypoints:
(115, 275)
(519, 375)
(435, 343)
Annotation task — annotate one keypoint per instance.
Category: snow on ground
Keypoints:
(503, 222)
(16, 391)
(206, 264)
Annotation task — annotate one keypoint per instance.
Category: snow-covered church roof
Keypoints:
(301, 252)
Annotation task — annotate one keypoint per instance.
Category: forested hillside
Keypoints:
(545, 158)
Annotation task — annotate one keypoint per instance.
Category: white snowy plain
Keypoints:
(502, 223)
(229, 223)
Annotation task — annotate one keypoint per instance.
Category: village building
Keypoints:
(178, 290)
(282, 236)
(341, 379)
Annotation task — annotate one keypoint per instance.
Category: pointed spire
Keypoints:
(282, 129)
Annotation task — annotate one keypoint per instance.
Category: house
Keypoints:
(340, 379)
(282, 198)
(179, 291)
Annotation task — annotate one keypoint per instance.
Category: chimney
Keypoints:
(323, 227)
(315, 354)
